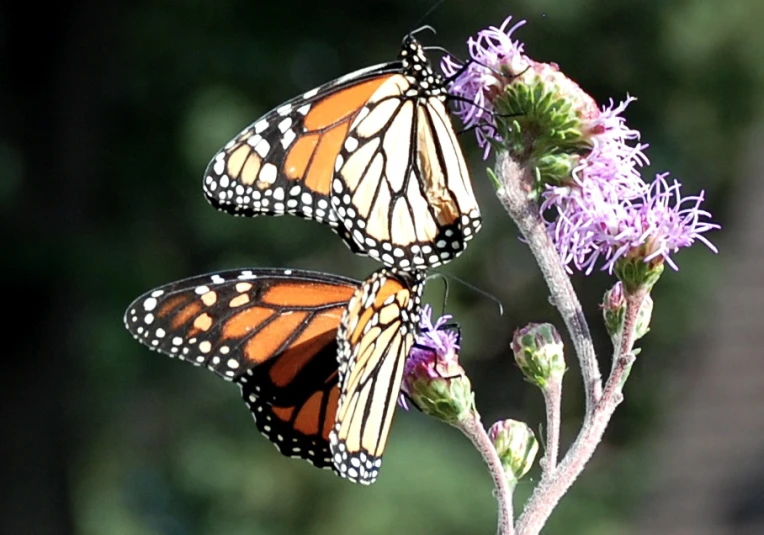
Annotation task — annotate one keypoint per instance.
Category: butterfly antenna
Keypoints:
(435, 6)
(421, 29)
(478, 290)
(438, 48)
(441, 276)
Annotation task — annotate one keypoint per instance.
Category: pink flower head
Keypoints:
(495, 56)
(434, 354)
(594, 223)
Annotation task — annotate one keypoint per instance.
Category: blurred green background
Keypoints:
(110, 113)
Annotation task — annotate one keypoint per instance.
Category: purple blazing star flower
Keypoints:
(650, 226)
(495, 58)
(434, 338)
(612, 161)
(603, 209)
(659, 223)
(608, 211)
(435, 351)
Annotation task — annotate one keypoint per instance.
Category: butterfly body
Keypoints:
(372, 154)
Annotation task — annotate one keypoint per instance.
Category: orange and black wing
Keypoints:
(284, 162)
(372, 154)
(272, 331)
(375, 336)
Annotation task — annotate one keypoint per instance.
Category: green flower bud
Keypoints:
(516, 445)
(614, 308)
(538, 352)
(635, 273)
(440, 390)
(543, 120)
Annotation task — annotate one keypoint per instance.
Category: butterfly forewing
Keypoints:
(283, 163)
(374, 338)
(271, 331)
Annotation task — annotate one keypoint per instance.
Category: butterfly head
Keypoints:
(416, 65)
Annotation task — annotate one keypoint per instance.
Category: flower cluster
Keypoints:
(599, 211)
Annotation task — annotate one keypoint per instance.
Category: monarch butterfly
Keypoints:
(373, 154)
(318, 357)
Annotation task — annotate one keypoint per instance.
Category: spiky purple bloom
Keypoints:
(659, 223)
(592, 223)
(433, 339)
(433, 378)
(434, 350)
(495, 58)
(615, 156)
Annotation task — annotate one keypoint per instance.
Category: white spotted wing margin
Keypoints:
(375, 336)
(215, 320)
(372, 154)
(252, 174)
(271, 331)
(277, 424)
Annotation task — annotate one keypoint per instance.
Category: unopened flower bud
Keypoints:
(538, 352)
(542, 100)
(644, 317)
(614, 308)
(433, 378)
(516, 445)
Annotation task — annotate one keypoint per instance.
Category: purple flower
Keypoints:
(585, 160)
(434, 349)
(495, 60)
(659, 223)
(613, 162)
(433, 340)
(433, 377)
(593, 222)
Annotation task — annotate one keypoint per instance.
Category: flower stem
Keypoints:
(551, 489)
(473, 429)
(552, 400)
(516, 181)
(634, 301)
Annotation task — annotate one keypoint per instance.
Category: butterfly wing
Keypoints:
(402, 189)
(299, 425)
(272, 331)
(374, 339)
(372, 154)
(283, 163)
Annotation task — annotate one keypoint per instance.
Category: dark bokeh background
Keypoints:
(110, 112)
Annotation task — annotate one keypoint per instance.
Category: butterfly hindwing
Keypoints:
(402, 189)
(300, 429)
(374, 339)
